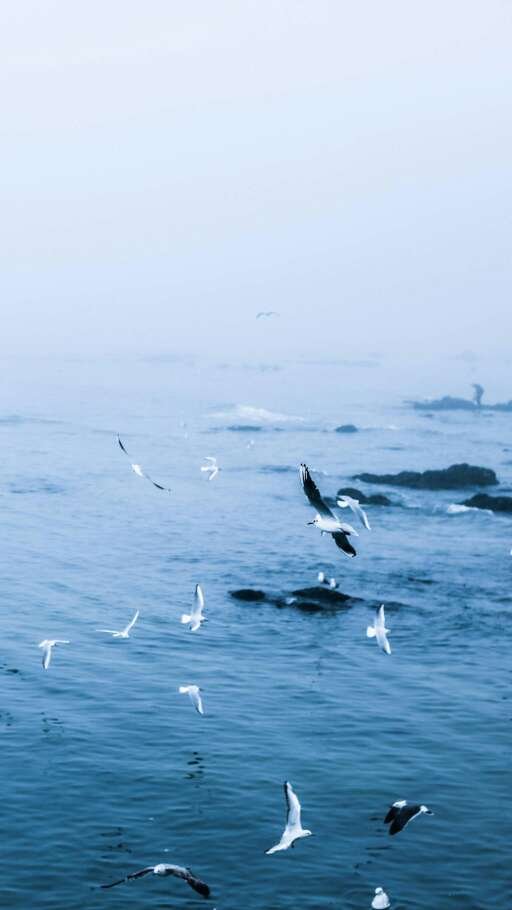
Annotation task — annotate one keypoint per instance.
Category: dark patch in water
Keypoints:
(37, 485)
(277, 469)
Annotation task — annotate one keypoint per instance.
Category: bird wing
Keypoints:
(382, 639)
(138, 874)
(348, 529)
(313, 493)
(364, 517)
(132, 622)
(47, 656)
(212, 459)
(110, 631)
(157, 485)
(402, 818)
(392, 813)
(293, 807)
(121, 446)
(197, 701)
(341, 540)
(198, 599)
(191, 879)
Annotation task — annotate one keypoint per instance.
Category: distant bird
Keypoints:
(194, 693)
(330, 582)
(378, 630)
(47, 645)
(123, 633)
(346, 501)
(293, 829)
(325, 520)
(136, 468)
(400, 814)
(266, 314)
(381, 900)
(195, 618)
(212, 469)
(166, 869)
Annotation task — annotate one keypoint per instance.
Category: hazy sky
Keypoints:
(169, 168)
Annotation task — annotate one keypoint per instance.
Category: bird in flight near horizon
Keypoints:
(212, 469)
(195, 618)
(400, 814)
(123, 633)
(136, 468)
(378, 631)
(165, 869)
(325, 520)
(48, 644)
(293, 828)
(265, 314)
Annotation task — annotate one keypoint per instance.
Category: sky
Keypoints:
(172, 168)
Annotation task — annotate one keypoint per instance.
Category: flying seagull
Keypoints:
(212, 469)
(136, 468)
(378, 631)
(123, 633)
(400, 814)
(195, 618)
(167, 869)
(381, 900)
(325, 520)
(266, 314)
(194, 693)
(346, 501)
(47, 646)
(293, 829)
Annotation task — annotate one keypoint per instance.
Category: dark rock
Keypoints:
(448, 403)
(484, 501)
(376, 499)
(248, 594)
(346, 428)
(457, 476)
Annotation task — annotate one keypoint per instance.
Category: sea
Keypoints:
(107, 768)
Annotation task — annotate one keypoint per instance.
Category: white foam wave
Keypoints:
(257, 415)
(456, 509)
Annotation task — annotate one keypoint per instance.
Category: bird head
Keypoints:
(426, 810)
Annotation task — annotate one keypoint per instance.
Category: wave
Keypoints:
(258, 415)
(456, 509)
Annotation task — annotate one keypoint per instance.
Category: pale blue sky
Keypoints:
(170, 168)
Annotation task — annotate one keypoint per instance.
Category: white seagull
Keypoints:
(347, 502)
(194, 693)
(195, 618)
(381, 900)
(293, 829)
(122, 633)
(330, 582)
(136, 468)
(325, 520)
(47, 644)
(167, 869)
(378, 631)
(400, 814)
(212, 469)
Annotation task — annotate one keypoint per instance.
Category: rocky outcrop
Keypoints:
(310, 600)
(448, 403)
(484, 501)
(457, 476)
(346, 428)
(375, 499)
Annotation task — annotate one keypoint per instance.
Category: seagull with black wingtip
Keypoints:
(401, 813)
(165, 869)
(325, 520)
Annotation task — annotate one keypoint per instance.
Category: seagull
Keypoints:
(381, 900)
(325, 520)
(123, 633)
(378, 631)
(212, 469)
(266, 314)
(330, 582)
(196, 617)
(47, 645)
(136, 468)
(293, 829)
(193, 693)
(167, 869)
(400, 814)
(346, 501)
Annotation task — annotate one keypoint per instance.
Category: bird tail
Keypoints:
(186, 617)
(370, 632)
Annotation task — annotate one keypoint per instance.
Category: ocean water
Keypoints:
(106, 768)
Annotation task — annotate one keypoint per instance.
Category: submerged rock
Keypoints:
(484, 501)
(310, 600)
(375, 499)
(457, 476)
(347, 428)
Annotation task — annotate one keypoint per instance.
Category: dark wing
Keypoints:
(312, 492)
(191, 879)
(393, 812)
(402, 817)
(341, 540)
(157, 485)
(138, 874)
(121, 446)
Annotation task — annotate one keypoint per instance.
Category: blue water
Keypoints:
(106, 768)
